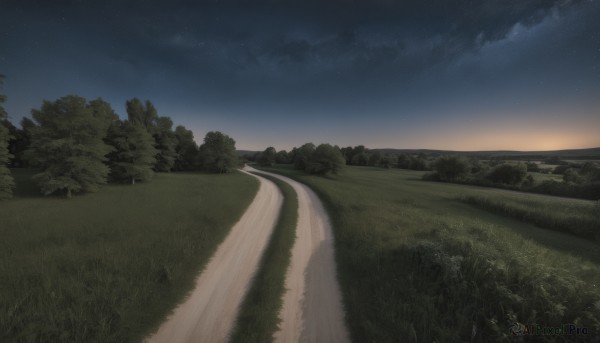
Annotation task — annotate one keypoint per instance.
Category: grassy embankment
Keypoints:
(417, 264)
(258, 317)
(109, 266)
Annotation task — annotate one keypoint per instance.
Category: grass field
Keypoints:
(109, 266)
(577, 217)
(541, 177)
(258, 317)
(417, 264)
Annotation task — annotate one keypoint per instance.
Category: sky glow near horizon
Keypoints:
(459, 75)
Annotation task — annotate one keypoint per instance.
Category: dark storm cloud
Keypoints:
(282, 39)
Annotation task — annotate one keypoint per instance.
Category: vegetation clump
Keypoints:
(7, 183)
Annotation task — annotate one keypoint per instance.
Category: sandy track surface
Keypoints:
(209, 312)
(312, 308)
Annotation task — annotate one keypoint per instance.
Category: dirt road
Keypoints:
(209, 312)
(312, 309)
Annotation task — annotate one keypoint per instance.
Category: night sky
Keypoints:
(460, 75)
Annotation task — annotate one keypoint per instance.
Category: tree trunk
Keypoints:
(133, 180)
(69, 193)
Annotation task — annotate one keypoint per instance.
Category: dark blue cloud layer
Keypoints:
(272, 59)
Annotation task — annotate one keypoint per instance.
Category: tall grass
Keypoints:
(109, 266)
(258, 317)
(415, 265)
(578, 218)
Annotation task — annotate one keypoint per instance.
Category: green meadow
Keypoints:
(423, 261)
(109, 266)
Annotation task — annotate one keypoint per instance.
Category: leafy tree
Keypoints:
(267, 157)
(166, 144)
(532, 167)
(374, 159)
(68, 145)
(326, 159)
(292, 155)
(303, 156)
(508, 173)
(359, 156)
(218, 153)
(590, 172)
(560, 169)
(476, 166)
(22, 143)
(282, 157)
(360, 159)
(186, 149)
(140, 114)
(389, 160)
(161, 129)
(347, 152)
(571, 175)
(134, 153)
(528, 182)
(451, 168)
(419, 163)
(403, 161)
(7, 183)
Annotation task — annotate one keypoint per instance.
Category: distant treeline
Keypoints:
(79, 145)
(326, 158)
(579, 180)
(322, 159)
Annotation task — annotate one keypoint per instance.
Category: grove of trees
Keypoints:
(80, 145)
(218, 153)
(322, 159)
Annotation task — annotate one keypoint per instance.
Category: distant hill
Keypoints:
(573, 154)
(591, 153)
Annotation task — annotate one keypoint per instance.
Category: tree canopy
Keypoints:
(186, 149)
(267, 157)
(303, 156)
(326, 159)
(68, 145)
(166, 143)
(134, 154)
(218, 153)
(451, 168)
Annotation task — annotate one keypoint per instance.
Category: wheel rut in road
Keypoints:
(312, 308)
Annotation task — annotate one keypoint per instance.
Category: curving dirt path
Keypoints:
(209, 312)
(312, 308)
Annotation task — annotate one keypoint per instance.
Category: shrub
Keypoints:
(267, 157)
(571, 175)
(326, 159)
(559, 170)
(532, 167)
(451, 168)
(303, 155)
(508, 173)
